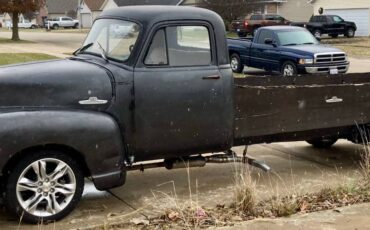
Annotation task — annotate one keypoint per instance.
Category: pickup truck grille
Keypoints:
(330, 58)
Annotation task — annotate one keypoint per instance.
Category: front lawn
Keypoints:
(13, 58)
(7, 41)
(357, 47)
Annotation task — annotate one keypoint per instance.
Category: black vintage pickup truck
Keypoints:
(151, 82)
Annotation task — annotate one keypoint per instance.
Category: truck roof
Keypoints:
(149, 16)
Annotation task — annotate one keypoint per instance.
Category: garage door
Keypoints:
(358, 16)
(86, 20)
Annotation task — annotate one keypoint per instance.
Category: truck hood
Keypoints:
(310, 50)
(54, 84)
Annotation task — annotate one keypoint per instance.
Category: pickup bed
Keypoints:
(147, 87)
(289, 50)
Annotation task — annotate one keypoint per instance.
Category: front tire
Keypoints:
(289, 69)
(44, 186)
(323, 142)
(55, 26)
(236, 64)
(75, 26)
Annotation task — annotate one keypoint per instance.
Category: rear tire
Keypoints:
(242, 35)
(55, 26)
(236, 64)
(289, 69)
(44, 186)
(350, 33)
(322, 142)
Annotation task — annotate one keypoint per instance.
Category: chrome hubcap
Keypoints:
(288, 70)
(350, 33)
(317, 34)
(46, 187)
(234, 64)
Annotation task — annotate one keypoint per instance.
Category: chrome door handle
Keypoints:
(212, 77)
(334, 99)
(93, 101)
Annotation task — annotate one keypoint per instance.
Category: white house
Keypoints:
(109, 4)
(357, 11)
(90, 10)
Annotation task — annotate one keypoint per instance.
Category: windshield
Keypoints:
(116, 37)
(296, 38)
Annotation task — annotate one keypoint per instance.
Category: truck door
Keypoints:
(182, 100)
(263, 55)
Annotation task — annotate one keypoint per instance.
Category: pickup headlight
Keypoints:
(305, 61)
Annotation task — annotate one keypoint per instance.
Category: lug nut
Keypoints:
(40, 184)
(52, 183)
(39, 190)
(46, 180)
(45, 194)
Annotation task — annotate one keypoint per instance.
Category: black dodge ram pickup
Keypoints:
(151, 82)
(332, 25)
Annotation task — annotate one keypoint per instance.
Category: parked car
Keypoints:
(289, 50)
(65, 22)
(160, 93)
(25, 24)
(250, 24)
(333, 25)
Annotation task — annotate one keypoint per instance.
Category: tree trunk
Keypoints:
(15, 19)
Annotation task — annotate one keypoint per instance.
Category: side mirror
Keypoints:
(269, 41)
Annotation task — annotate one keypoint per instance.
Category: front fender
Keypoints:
(95, 135)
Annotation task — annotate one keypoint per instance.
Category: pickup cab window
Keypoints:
(180, 46)
(337, 19)
(264, 34)
(114, 38)
(256, 17)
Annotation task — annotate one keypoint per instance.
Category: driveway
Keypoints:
(297, 168)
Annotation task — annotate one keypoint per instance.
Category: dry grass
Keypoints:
(358, 46)
(245, 189)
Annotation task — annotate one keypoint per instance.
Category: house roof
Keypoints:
(61, 6)
(94, 5)
(147, 2)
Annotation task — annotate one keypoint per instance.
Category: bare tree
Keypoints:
(16, 7)
(228, 9)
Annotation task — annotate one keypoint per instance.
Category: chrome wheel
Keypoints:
(234, 64)
(46, 187)
(288, 70)
(317, 34)
(350, 33)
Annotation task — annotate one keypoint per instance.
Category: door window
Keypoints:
(157, 53)
(337, 19)
(180, 46)
(256, 17)
(263, 35)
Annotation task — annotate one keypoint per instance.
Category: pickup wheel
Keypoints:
(317, 33)
(236, 64)
(350, 33)
(289, 69)
(323, 142)
(33, 27)
(242, 34)
(44, 186)
(75, 26)
(55, 26)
